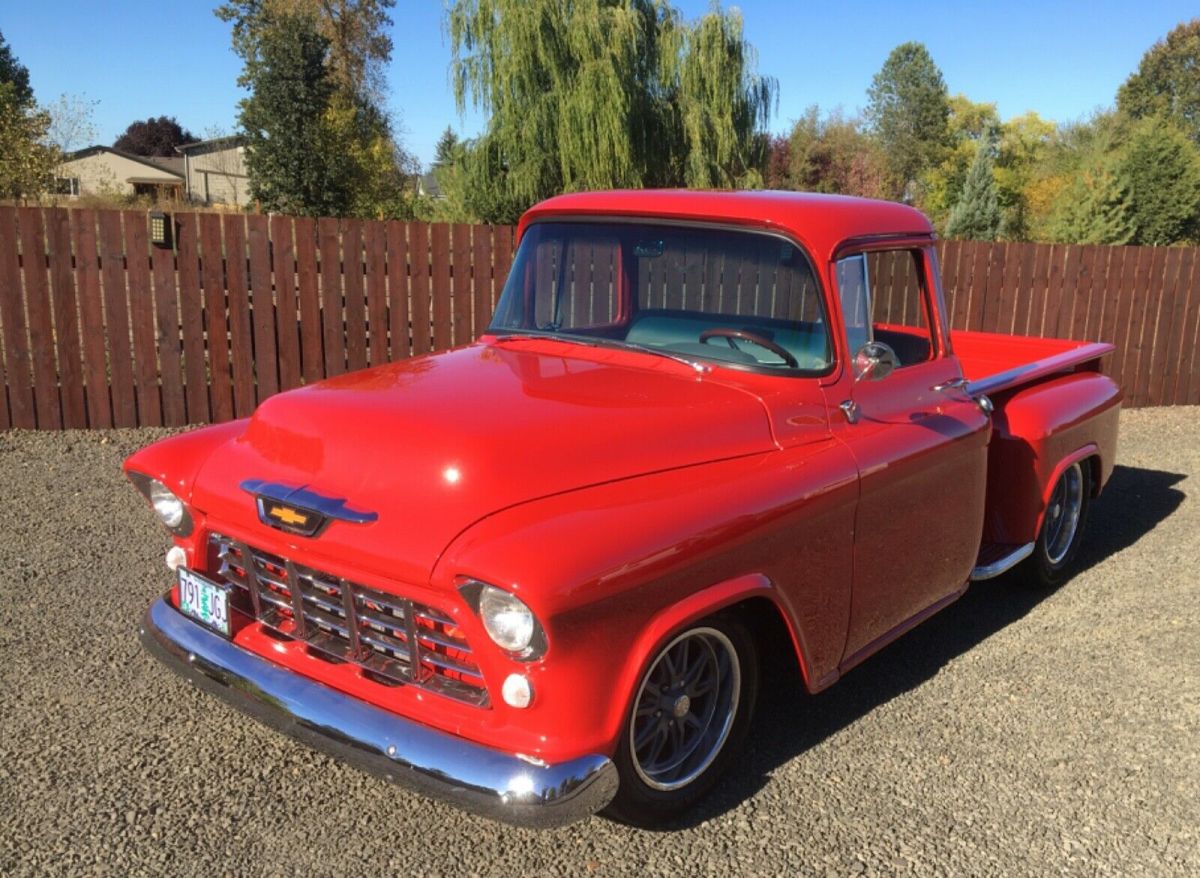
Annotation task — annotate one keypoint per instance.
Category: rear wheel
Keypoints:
(1062, 527)
(689, 715)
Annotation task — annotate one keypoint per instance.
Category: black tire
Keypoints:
(705, 726)
(1059, 539)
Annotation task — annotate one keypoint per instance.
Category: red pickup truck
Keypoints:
(536, 575)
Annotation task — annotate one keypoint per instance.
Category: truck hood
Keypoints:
(432, 445)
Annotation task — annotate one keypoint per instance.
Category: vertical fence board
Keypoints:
(1000, 313)
(948, 257)
(1147, 325)
(332, 320)
(141, 315)
(1129, 270)
(1189, 363)
(397, 289)
(1091, 272)
(990, 316)
(17, 363)
(41, 320)
(212, 274)
(1162, 366)
(166, 312)
(1106, 328)
(116, 320)
(191, 317)
(481, 260)
(91, 318)
(237, 296)
(356, 305)
(312, 355)
(439, 235)
(287, 315)
(460, 279)
(262, 303)
(502, 248)
(377, 328)
(418, 259)
(66, 319)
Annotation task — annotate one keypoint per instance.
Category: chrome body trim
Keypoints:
(1012, 559)
(502, 786)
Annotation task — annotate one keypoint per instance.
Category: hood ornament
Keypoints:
(297, 510)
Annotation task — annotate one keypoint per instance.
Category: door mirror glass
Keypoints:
(874, 361)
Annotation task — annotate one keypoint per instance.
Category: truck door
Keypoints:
(920, 443)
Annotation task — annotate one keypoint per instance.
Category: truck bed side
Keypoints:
(1052, 407)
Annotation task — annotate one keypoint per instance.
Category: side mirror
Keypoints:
(874, 361)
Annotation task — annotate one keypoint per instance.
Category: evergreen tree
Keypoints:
(1160, 168)
(293, 164)
(908, 108)
(1094, 209)
(447, 150)
(1167, 81)
(365, 155)
(16, 75)
(976, 214)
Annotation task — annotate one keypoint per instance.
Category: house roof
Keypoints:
(212, 143)
(159, 163)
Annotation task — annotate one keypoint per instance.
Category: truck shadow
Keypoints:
(789, 722)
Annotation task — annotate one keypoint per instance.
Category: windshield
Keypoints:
(744, 299)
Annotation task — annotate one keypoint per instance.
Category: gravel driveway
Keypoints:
(1013, 734)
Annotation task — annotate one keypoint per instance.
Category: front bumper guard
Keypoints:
(513, 789)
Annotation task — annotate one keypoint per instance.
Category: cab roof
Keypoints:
(821, 222)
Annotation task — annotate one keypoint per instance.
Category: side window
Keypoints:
(856, 305)
(888, 285)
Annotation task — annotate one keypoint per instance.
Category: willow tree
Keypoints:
(594, 94)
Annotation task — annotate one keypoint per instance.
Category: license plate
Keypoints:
(205, 601)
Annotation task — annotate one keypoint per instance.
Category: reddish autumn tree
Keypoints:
(154, 136)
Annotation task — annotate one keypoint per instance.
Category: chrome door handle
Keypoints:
(952, 384)
(850, 409)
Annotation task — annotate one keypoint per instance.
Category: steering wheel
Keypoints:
(754, 338)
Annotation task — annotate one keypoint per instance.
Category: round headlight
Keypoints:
(166, 504)
(506, 618)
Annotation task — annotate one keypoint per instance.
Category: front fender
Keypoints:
(613, 570)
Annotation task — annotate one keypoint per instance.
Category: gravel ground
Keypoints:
(1013, 734)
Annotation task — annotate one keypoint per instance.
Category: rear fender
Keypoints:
(1039, 432)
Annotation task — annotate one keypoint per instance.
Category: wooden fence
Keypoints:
(99, 328)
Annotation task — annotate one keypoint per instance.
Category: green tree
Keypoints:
(1167, 81)
(833, 154)
(1160, 167)
(909, 111)
(15, 74)
(968, 125)
(358, 133)
(293, 161)
(1094, 208)
(27, 160)
(976, 214)
(448, 149)
(599, 94)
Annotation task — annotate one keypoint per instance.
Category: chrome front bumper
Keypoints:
(502, 786)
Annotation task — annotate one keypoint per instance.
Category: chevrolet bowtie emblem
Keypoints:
(288, 516)
(299, 510)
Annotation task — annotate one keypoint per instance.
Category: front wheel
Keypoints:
(690, 714)
(1062, 526)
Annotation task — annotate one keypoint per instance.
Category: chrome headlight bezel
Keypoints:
(170, 509)
(507, 619)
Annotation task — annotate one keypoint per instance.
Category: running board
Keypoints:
(1006, 562)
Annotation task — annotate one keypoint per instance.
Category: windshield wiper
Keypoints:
(593, 342)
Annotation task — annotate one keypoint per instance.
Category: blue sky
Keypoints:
(1064, 60)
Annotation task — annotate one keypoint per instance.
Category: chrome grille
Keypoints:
(397, 641)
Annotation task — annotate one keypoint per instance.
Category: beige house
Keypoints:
(215, 171)
(102, 170)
